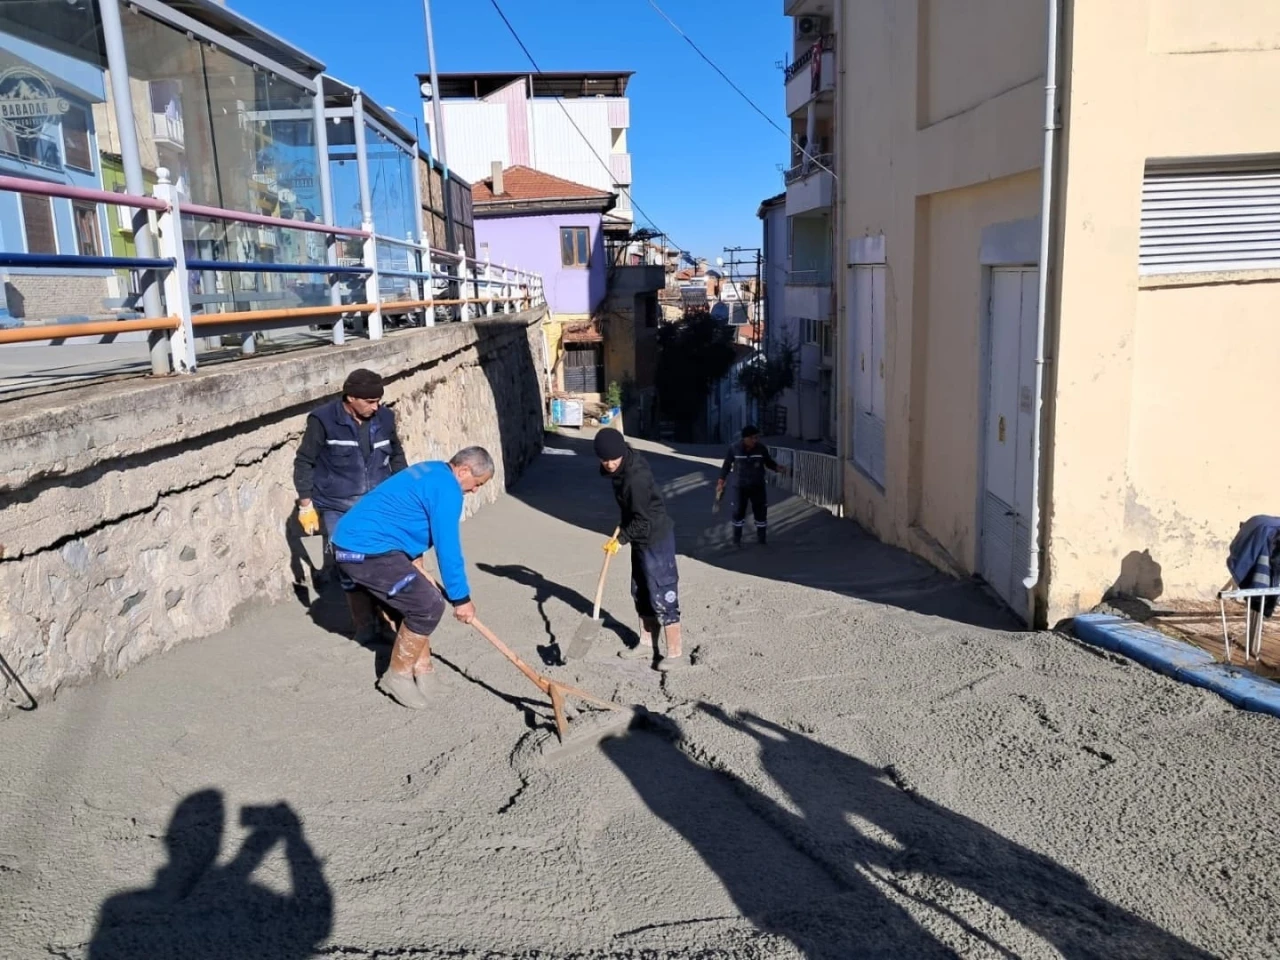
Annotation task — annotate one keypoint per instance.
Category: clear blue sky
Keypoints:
(702, 158)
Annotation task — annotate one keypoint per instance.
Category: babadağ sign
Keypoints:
(28, 102)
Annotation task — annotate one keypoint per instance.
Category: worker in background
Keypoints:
(646, 526)
(349, 447)
(379, 546)
(747, 460)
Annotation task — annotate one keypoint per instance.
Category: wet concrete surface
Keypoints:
(866, 759)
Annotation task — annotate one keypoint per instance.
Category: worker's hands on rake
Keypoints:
(465, 613)
(719, 487)
(308, 519)
(612, 546)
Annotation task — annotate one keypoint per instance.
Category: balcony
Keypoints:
(168, 131)
(806, 8)
(620, 167)
(810, 187)
(807, 295)
(812, 76)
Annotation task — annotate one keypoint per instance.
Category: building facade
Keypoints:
(569, 125)
(1051, 332)
(534, 221)
(812, 100)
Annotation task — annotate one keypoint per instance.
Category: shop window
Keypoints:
(88, 234)
(37, 222)
(75, 139)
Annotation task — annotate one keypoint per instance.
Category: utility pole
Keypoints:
(437, 132)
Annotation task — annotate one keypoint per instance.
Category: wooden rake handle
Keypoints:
(604, 572)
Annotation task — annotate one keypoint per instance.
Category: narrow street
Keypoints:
(867, 759)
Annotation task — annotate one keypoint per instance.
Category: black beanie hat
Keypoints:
(363, 385)
(610, 444)
(750, 431)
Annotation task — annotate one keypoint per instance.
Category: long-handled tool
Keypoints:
(589, 629)
(554, 689)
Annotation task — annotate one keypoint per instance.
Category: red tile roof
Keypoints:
(523, 183)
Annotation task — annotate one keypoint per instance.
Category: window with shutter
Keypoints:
(37, 221)
(1212, 216)
(75, 139)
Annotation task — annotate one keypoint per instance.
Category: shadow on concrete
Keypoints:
(807, 545)
(196, 909)
(832, 867)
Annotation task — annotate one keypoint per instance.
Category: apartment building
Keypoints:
(810, 180)
(569, 125)
(1058, 284)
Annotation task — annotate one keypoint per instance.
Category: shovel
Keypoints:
(588, 630)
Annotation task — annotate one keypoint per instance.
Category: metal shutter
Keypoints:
(37, 218)
(1197, 219)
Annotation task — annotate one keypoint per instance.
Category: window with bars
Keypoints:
(1210, 216)
(37, 223)
(575, 246)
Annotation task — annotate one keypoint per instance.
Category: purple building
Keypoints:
(538, 222)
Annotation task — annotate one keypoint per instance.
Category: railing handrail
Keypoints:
(814, 163)
(261, 220)
(404, 244)
(827, 45)
(45, 189)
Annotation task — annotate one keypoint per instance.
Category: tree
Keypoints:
(765, 380)
(694, 353)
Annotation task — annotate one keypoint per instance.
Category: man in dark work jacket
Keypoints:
(349, 447)
(646, 526)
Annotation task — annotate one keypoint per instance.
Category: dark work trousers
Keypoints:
(655, 581)
(392, 579)
(755, 496)
(330, 518)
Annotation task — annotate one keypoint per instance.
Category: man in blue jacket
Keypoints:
(349, 447)
(379, 545)
(747, 461)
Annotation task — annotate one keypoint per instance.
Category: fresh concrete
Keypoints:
(138, 514)
(867, 760)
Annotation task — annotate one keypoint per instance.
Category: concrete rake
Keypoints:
(554, 689)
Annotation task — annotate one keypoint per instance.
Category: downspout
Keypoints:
(1047, 208)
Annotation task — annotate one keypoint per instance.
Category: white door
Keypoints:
(1010, 414)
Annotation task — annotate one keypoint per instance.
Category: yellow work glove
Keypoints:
(309, 520)
(612, 547)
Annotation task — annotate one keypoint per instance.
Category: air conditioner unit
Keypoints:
(811, 28)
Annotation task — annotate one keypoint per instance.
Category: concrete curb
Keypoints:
(1181, 661)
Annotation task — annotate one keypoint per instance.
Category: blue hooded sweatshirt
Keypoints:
(417, 509)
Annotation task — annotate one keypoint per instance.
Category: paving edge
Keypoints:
(1181, 661)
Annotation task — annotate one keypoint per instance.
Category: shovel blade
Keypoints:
(582, 640)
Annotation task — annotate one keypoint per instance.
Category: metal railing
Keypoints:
(463, 287)
(826, 45)
(815, 477)
(818, 163)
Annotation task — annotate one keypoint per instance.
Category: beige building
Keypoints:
(1106, 421)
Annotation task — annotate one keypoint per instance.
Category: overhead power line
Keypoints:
(804, 150)
(590, 146)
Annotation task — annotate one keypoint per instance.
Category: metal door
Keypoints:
(584, 369)
(1007, 454)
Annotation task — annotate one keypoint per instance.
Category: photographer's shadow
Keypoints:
(197, 910)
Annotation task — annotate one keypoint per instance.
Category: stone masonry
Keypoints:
(140, 514)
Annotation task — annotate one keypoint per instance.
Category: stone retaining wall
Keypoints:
(139, 514)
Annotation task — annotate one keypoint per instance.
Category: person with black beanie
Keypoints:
(646, 526)
(349, 447)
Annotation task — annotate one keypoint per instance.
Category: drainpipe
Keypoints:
(1047, 207)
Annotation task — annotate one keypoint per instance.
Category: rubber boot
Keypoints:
(673, 658)
(363, 620)
(762, 536)
(648, 637)
(397, 682)
(425, 677)
(737, 536)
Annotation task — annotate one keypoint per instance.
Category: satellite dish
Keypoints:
(425, 90)
(719, 261)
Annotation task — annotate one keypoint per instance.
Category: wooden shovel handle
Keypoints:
(604, 572)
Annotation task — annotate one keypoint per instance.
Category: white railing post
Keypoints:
(373, 287)
(464, 274)
(488, 285)
(177, 291)
(429, 285)
(506, 289)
